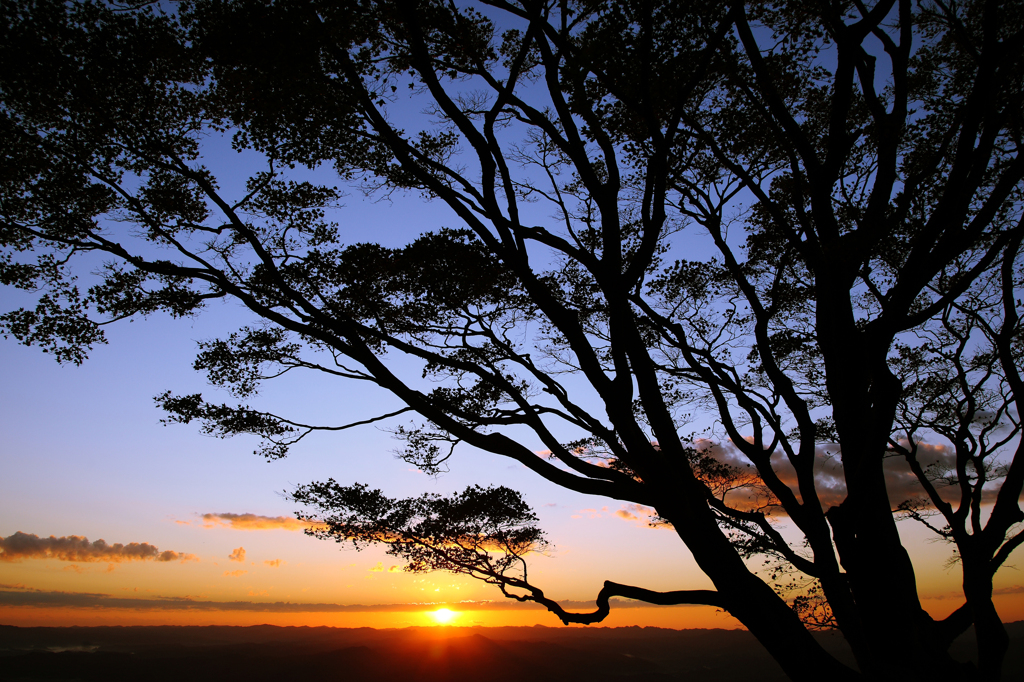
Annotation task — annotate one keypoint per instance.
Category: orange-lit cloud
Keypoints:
(254, 522)
(378, 568)
(78, 549)
(640, 515)
(237, 554)
(234, 574)
(275, 563)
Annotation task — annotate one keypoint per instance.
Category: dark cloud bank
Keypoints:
(15, 595)
(77, 548)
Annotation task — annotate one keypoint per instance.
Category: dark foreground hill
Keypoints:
(420, 654)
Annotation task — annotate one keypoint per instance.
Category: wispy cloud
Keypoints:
(234, 574)
(252, 522)
(78, 549)
(1012, 589)
(590, 513)
(275, 563)
(237, 554)
(640, 515)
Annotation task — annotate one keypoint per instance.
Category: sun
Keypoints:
(443, 616)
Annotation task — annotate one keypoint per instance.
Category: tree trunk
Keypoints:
(989, 631)
(897, 632)
(751, 601)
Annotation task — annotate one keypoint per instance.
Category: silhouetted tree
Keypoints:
(802, 218)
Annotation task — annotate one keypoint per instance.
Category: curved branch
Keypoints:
(611, 589)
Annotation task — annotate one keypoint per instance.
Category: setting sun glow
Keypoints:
(443, 616)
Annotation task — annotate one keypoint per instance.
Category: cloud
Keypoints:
(78, 549)
(1012, 589)
(254, 522)
(275, 563)
(237, 554)
(378, 568)
(829, 476)
(168, 555)
(394, 569)
(56, 599)
(959, 595)
(234, 574)
(943, 596)
(640, 515)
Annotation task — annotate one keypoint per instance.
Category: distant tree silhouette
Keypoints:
(799, 220)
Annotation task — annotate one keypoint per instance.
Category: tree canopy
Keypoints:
(799, 220)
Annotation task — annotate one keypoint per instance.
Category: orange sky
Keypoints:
(667, 617)
(260, 569)
(1011, 606)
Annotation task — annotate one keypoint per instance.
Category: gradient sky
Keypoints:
(83, 455)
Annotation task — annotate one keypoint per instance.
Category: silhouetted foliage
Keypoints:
(800, 221)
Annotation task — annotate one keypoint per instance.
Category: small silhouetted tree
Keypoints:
(801, 218)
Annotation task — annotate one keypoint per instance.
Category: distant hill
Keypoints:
(422, 654)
